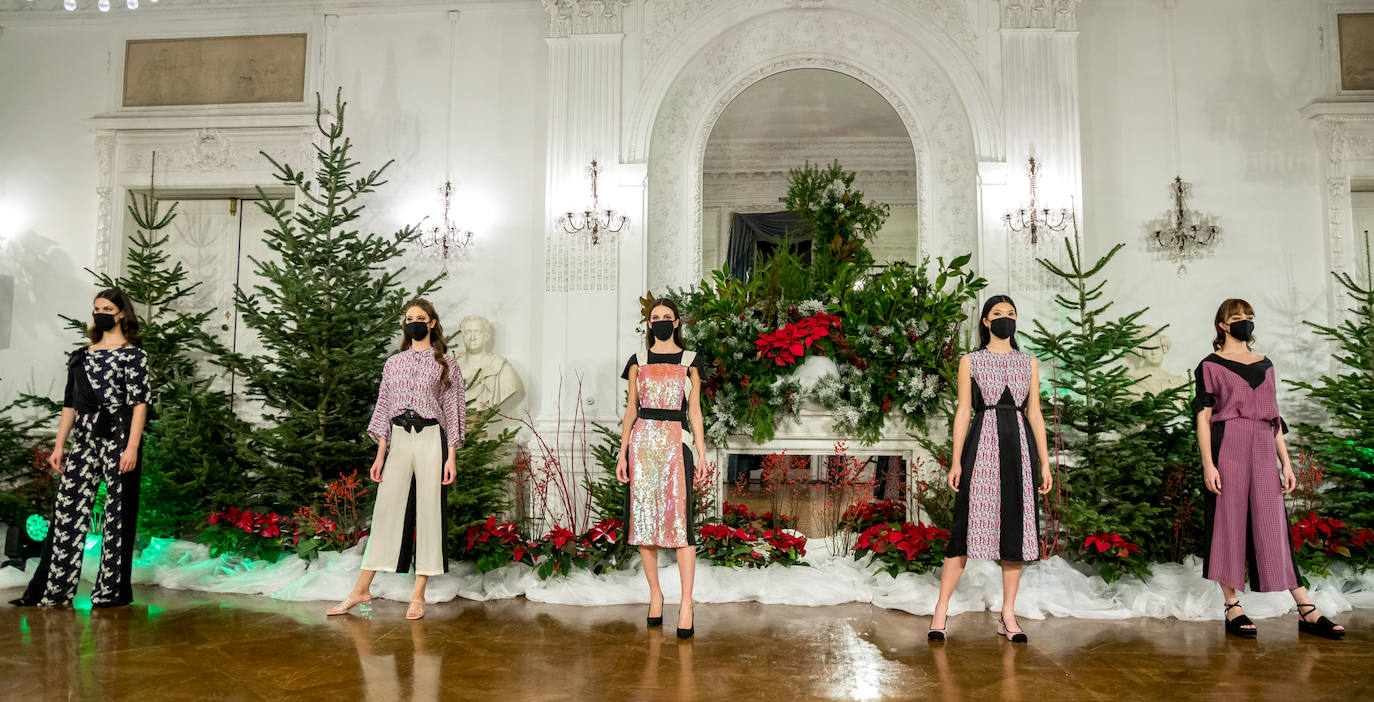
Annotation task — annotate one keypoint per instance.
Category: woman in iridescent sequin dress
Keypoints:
(662, 424)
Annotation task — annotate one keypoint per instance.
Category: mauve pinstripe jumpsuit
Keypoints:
(1247, 524)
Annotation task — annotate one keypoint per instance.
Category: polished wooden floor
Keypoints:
(199, 646)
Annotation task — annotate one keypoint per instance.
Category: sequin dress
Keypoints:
(995, 514)
(660, 462)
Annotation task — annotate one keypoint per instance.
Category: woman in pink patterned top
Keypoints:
(995, 464)
(418, 425)
(1246, 470)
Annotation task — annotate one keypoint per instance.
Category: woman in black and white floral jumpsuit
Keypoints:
(104, 409)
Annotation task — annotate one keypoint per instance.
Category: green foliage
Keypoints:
(326, 315)
(197, 457)
(608, 495)
(1344, 446)
(895, 345)
(482, 470)
(1118, 444)
(836, 215)
(24, 450)
(197, 454)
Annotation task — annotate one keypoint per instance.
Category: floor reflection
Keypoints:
(196, 646)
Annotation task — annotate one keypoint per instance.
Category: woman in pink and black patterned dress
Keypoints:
(995, 463)
(418, 425)
(1246, 470)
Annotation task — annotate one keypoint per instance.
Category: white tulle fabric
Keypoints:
(1050, 587)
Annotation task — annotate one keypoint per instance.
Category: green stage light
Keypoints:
(37, 527)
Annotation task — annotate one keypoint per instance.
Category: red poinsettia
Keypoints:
(1103, 542)
(788, 344)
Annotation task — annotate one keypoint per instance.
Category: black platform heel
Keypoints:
(1012, 636)
(1323, 627)
(1236, 627)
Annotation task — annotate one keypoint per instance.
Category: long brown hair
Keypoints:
(436, 338)
(1229, 307)
(128, 325)
(648, 325)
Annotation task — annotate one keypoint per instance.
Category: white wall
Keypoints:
(1245, 68)
(392, 68)
(51, 79)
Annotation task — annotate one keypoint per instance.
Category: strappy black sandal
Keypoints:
(1323, 627)
(1236, 626)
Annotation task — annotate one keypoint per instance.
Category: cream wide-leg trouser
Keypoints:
(414, 461)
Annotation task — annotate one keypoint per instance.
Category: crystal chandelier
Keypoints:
(102, 5)
(593, 220)
(444, 239)
(1035, 218)
(1182, 234)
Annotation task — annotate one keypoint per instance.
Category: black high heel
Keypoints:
(935, 635)
(655, 621)
(1236, 626)
(1012, 636)
(689, 631)
(1323, 627)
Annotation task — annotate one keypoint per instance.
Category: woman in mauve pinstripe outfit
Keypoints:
(1246, 470)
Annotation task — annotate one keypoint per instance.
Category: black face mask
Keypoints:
(1243, 330)
(1002, 327)
(103, 322)
(417, 331)
(662, 329)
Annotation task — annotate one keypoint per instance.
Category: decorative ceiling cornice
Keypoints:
(568, 17)
(1040, 14)
(43, 10)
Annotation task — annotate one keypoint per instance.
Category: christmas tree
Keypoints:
(1118, 444)
(1345, 448)
(326, 315)
(196, 452)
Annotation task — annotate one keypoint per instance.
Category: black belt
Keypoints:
(411, 421)
(109, 423)
(662, 415)
(1003, 406)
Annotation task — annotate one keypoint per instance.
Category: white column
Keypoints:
(1040, 118)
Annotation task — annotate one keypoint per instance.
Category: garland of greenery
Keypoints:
(893, 334)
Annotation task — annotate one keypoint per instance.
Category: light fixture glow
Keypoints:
(104, 5)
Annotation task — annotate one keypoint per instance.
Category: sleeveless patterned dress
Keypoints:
(995, 511)
(659, 512)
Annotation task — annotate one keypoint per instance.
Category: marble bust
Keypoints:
(1147, 368)
(490, 377)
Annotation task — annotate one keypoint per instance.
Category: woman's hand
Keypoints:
(622, 469)
(56, 458)
(1046, 479)
(1290, 481)
(1211, 477)
(699, 479)
(128, 460)
(450, 467)
(376, 471)
(953, 478)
